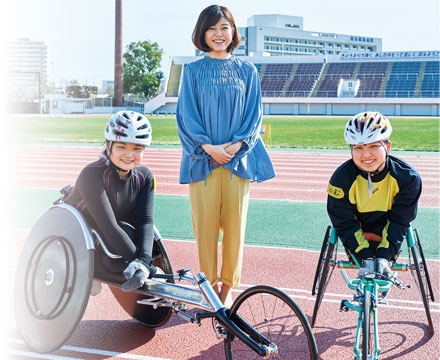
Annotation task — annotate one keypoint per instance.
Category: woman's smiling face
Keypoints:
(218, 37)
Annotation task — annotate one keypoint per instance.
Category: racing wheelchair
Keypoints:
(63, 255)
(371, 289)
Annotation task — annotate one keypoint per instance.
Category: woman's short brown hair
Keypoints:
(209, 17)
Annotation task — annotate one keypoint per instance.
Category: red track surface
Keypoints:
(107, 332)
(301, 176)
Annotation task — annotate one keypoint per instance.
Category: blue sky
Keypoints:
(80, 33)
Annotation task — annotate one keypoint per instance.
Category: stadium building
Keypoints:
(404, 83)
(281, 35)
(315, 73)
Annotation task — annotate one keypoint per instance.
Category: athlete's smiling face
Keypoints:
(126, 155)
(370, 157)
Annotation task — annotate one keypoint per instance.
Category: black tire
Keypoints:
(53, 279)
(275, 316)
(146, 314)
(320, 262)
(418, 245)
(367, 330)
(324, 271)
(420, 274)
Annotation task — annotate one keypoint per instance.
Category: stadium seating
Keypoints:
(384, 79)
(431, 80)
(403, 79)
(371, 76)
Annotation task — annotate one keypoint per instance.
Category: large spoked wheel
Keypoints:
(274, 318)
(53, 279)
(146, 314)
(324, 271)
(419, 271)
(367, 328)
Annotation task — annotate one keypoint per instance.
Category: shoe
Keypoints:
(368, 266)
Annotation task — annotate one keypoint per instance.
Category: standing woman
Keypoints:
(219, 115)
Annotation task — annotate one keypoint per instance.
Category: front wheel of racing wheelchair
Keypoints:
(416, 264)
(56, 268)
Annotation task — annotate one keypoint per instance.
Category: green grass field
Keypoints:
(409, 134)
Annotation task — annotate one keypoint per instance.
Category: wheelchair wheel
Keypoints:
(268, 315)
(418, 245)
(324, 270)
(320, 263)
(53, 279)
(367, 327)
(419, 271)
(146, 314)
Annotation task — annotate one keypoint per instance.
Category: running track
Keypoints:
(107, 332)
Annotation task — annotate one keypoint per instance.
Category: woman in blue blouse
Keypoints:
(219, 115)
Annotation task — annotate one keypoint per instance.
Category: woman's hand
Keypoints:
(218, 153)
(233, 148)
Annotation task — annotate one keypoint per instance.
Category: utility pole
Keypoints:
(118, 81)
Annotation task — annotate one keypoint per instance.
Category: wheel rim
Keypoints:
(50, 279)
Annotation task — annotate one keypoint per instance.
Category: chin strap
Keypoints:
(370, 186)
(108, 162)
(370, 174)
(377, 171)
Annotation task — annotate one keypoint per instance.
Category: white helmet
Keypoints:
(130, 127)
(367, 127)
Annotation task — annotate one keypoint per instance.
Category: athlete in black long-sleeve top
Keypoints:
(117, 189)
(373, 197)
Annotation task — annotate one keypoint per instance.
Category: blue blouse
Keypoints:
(220, 101)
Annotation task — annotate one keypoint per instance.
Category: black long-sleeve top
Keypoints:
(388, 213)
(105, 199)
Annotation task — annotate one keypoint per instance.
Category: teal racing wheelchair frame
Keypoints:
(371, 289)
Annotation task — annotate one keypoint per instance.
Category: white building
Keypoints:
(26, 64)
(281, 35)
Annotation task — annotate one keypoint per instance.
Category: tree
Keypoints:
(80, 91)
(141, 61)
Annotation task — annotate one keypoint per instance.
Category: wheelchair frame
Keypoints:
(57, 267)
(368, 289)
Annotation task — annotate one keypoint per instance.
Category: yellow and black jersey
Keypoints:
(385, 208)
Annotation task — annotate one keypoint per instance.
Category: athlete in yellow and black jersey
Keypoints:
(373, 197)
(387, 213)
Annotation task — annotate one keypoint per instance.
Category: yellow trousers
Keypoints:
(219, 206)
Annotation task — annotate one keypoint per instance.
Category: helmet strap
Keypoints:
(370, 174)
(106, 156)
(370, 186)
